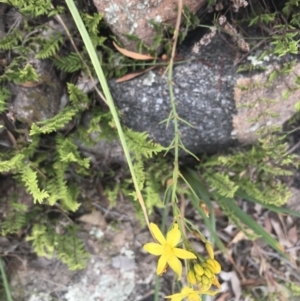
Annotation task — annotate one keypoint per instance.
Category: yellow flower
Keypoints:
(166, 250)
(186, 292)
(190, 294)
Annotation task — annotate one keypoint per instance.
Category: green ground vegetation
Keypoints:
(53, 178)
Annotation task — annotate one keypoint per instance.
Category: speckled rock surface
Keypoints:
(204, 99)
(32, 101)
(131, 17)
(118, 268)
(222, 106)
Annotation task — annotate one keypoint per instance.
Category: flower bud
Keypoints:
(209, 250)
(208, 273)
(191, 277)
(213, 265)
(204, 288)
(198, 269)
(205, 280)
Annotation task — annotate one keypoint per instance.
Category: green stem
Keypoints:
(5, 282)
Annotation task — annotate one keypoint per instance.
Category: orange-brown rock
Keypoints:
(133, 16)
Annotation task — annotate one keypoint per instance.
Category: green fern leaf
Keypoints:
(29, 179)
(70, 63)
(141, 145)
(50, 46)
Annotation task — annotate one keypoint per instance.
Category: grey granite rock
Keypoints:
(203, 89)
(223, 106)
(32, 102)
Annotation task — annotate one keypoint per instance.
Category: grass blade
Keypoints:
(200, 193)
(5, 282)
(100, 74)
(252, 224)
(280, 210)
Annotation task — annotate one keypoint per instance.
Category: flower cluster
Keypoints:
(201, 273)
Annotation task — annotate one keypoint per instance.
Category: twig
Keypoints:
(245, 55)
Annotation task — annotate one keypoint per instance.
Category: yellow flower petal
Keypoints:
(176, 297)
(211, 293)
(154, 248)
(175, 265)
(216, 282)
(183, 254)
(173, 236)
(161, 265)
(194, 297)
(186, 292)
(157, 234)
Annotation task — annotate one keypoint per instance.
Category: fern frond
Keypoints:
(79, 99)
(15, 219)
(4, 96)
(68, 152)
(70, 249)
(49, 46)
(30, 181)
(70, 63)
(92, 25)
(43, 240)
(263, 18)
(221, 183)
(60, 190)
(32, 8)
(27, 74)
(11, 40)
(141, 145)
(66, 246)
(55, 123)
(13, 164)
(152, 196)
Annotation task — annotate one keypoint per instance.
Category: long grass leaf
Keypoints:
(208, 223)
(280, 210)
(5, 282)
(100, 74)
(252, 224)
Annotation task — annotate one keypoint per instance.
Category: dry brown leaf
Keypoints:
(12, 138)
(95, 218)
(267, 223)
(280, 233)
(204, 208)
(30, 84)
(235, 283)
(133, 55)
(230, 229)
(223, 297)
(130, 76)
(293, 235)
(238, 237)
